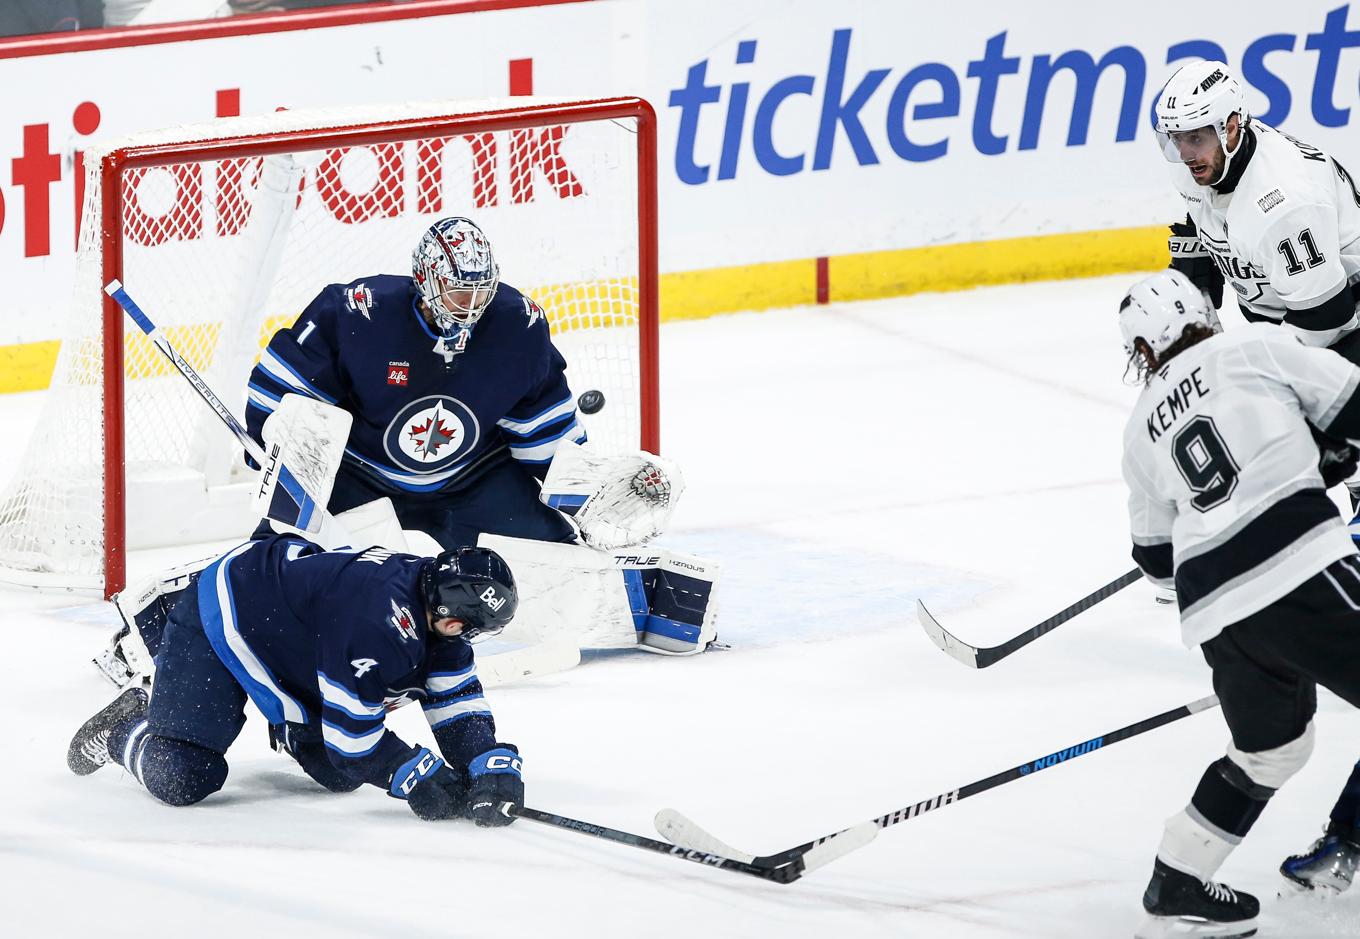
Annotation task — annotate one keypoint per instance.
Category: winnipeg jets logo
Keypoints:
(360, 299)
(362, 666)
(533, 311)
(430, 433)
(470, 250)
(403, 622)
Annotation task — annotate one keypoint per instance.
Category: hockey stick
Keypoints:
(684, 832)
(300, 509)
(786, 872)
(974, 657)
(115, 289)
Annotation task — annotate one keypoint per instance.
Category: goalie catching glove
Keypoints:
(613, 500)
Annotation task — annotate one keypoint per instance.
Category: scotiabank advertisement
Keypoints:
(789, 129)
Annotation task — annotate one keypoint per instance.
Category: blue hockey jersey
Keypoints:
(338, 639)
(430, 411)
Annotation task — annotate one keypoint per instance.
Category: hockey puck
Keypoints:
(590, 401)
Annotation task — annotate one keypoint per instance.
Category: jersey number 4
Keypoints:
(1311, 255)
(1205, 463)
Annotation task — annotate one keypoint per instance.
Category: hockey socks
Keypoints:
(174, 771)
(1225, 805)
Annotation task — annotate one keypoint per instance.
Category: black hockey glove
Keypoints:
(430, 788)
(304, 744)
(1191, 258)
(496, 780)
(1337, 459)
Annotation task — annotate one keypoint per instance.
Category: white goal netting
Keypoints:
(226, 230)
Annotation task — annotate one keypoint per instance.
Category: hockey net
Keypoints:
(224, 231)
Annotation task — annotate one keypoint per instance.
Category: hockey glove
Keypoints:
(1337, 459)
(430, 788)
(1191, 258)
(496, 780)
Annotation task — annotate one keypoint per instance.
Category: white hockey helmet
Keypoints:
(1193, 111)
(455, 272)
(1158, 308)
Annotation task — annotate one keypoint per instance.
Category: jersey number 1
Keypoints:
(1205, 463)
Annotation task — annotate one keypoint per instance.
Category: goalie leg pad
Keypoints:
(144, 609)
(657, 600)
(676, 611)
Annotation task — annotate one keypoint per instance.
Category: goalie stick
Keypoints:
(974, 657)
(302, 509)
(687, 834)
(786, 872)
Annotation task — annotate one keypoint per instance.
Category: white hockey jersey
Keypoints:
(1225, 498)
(1287, 238)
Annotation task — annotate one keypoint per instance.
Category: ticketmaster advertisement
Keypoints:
(789, 129)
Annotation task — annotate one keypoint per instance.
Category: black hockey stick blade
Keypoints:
(975, 657)
(784, 873)
(687, 833)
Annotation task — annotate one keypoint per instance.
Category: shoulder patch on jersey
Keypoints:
(533, 311)
(359, 299)
(1270, 200)
(403, 622)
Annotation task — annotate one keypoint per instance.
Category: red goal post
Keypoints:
(224, 231)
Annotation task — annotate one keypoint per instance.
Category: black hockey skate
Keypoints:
(1329, 865)
(1181, 905)
(89, 748)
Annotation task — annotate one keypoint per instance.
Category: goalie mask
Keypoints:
(1192, 116)
(455, 272)
(1158, 308)
(473, 585)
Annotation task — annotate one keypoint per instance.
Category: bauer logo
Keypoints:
(431, 433)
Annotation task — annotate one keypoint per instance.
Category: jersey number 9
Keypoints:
(1205, 463)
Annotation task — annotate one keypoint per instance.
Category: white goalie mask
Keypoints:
(1193, 111)
(1158, 308)
(455, 272)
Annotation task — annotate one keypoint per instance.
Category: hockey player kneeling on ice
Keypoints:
(324, 644)
(1228, 504)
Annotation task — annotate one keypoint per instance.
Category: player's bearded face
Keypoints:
(1201, 150)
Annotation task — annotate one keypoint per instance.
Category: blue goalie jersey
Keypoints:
(431, 412)
(307, 653)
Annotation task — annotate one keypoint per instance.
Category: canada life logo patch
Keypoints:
(398, 373)
(431, 434)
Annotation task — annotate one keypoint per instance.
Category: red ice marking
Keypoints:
(823, 280)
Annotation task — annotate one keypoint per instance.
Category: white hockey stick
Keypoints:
(535, 661)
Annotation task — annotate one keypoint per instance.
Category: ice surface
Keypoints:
(841, 461)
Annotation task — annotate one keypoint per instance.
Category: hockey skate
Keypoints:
(89, 748)
(1329, 865)
(1181, 905)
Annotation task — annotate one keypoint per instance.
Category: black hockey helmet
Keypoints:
(474, 585)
